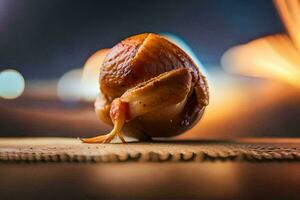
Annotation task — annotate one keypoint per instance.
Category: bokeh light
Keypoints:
(12, 84)
(69, 87)
(274, 56)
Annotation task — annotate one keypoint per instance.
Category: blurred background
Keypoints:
(249, 51)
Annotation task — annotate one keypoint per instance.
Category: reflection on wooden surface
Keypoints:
(219, 180)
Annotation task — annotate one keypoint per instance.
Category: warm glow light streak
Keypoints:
(229, 97)
(289, 12)
(226, 94)
(276, 56)
(237, 104)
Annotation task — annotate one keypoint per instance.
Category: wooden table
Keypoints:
(67, 169)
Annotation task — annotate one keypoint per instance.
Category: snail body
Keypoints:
(149, 87)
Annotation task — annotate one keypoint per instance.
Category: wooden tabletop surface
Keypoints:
(104, 172)
(73, 150)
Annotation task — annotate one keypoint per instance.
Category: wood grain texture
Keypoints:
(73, 150)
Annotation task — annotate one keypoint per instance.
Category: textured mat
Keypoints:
(73, 150)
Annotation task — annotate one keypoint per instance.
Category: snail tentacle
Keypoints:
(118, 115)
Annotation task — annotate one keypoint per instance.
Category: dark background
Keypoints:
(43, 39)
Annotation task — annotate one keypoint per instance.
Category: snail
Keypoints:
(149, 87)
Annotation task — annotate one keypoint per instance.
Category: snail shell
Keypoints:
(144, 58)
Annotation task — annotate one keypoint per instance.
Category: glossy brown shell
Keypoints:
(141, 57)
(145, 56)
